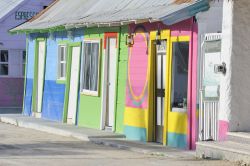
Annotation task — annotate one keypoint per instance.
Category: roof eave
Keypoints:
(185, 13)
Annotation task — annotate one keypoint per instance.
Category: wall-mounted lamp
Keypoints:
(70, 35)
(220, 68)
(130, 40)
(158, 38)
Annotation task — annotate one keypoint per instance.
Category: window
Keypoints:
(179, 86)
(24, 61)
(90, 68)
(4, 63)
(62, 62)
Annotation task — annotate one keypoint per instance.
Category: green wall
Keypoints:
(90, 106)
(121, 82)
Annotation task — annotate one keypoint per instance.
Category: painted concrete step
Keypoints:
(226, 150)
(241, 137)
(81, 133)
(96, 136)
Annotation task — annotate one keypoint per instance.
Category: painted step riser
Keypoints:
(238, 139)
(216, 153)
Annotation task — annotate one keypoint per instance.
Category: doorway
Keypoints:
(39, 77)
(209, 87)
(160, 68)
(110, 77)
(73, 80)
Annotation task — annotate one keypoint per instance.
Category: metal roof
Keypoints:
(7, 6)
(88, 13)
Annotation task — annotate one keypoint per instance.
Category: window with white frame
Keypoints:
(62, 62)
(90, 67)
(4, 63)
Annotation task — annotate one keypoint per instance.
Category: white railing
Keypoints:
(208, 119)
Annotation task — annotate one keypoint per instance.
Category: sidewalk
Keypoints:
(95, 136)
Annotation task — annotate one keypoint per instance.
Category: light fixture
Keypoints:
(158, 37)
(130, 40)
(220, 68)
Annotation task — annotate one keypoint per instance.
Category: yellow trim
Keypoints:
(129, 82)
(135, 117)
(165, 34)
(179, 39)
(177, 121)
(150, 114)
(167, 92)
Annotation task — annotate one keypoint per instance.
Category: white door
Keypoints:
(111, 77)
(160, 89)
(73, 90)
(40, 74)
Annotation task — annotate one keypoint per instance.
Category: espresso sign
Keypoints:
(24, 15)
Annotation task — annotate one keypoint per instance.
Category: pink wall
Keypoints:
(137, 91)
(223, 129)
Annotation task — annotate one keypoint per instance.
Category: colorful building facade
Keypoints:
(55, 101)
(155, 109)
(132, 76)
(105, 109)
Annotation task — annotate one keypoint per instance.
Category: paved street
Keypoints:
(24, 147)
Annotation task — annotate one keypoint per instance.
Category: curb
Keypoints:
(184, 155)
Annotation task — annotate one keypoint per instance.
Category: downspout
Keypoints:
(191, 90)
(25, 73)
(117, 75)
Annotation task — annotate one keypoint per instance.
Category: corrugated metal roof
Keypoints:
(8, 5)
(80, 13)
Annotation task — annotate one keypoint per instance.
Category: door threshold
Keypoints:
(108, 128)
(37, 114)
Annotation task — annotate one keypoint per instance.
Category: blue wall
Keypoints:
(53, 94)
